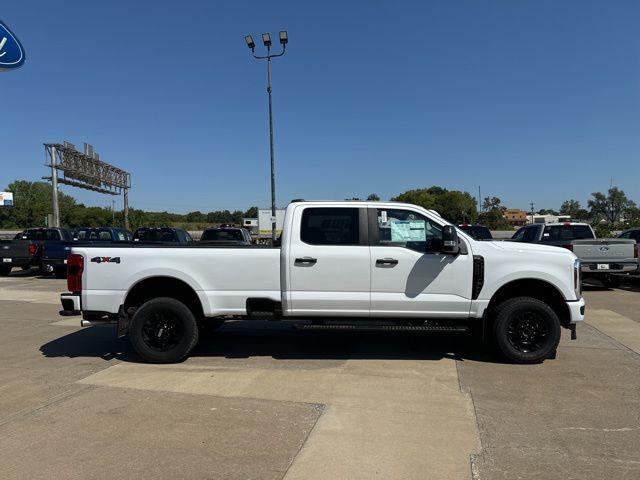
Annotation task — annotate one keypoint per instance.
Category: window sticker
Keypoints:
(383, 216)
(408, 231)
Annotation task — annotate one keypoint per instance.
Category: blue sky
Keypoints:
(533, 100)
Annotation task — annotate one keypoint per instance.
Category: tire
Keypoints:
(526, 330)
(5, 270)
(43, 271)
(163, 330)
(611, 281)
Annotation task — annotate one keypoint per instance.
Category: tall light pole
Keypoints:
(266, 40)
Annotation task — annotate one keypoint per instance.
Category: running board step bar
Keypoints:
(397, 328)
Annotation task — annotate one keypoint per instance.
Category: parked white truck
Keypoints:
(340, 265)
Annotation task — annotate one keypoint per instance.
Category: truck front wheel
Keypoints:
(163, 330)
(526, 330)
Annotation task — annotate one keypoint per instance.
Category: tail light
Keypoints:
(568, 246)
(33, 248)
(635, 250)
(75, 267)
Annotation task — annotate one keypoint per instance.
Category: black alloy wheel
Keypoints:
(526, 330)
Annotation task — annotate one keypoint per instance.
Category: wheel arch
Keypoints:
(534, 288)
(163, 286)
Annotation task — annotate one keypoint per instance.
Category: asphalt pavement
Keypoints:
(260, 400)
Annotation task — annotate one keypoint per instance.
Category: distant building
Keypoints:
(515, 216)
(536, 218)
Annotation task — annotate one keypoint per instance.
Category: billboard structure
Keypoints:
(84, 170)
(6, 199)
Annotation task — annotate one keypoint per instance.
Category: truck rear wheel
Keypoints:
(5, 270)
(526, 330)
(163, 330)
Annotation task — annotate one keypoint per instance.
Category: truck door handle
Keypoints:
(306, 261)
(386, 261)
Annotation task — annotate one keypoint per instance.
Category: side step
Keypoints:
(384, 327)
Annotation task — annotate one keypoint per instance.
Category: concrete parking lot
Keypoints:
(259, 400)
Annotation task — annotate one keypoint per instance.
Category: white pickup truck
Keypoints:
(340, 265)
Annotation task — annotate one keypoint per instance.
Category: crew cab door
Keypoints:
(328, 262)
(410, 277)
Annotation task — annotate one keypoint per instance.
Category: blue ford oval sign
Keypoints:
(11, 52)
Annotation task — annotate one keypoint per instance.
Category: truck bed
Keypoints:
(222, 276)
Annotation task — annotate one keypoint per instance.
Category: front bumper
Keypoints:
(576, 310)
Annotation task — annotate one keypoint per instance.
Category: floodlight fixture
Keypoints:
(284, 38)
(250, 43)
(266, 39)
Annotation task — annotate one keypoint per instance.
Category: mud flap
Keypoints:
(572, 329)
(123, 322)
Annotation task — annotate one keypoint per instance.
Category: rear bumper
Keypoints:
(576, 310)
(71, 304)
(592, 267)
(54, 262)
(16, 262)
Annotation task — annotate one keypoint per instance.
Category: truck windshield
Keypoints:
(554, 233)
(222, 234)
(95, 234)
(42, 234)
(155, 235)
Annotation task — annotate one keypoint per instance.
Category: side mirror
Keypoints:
(450, 240)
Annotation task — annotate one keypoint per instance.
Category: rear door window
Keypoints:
(330, 226)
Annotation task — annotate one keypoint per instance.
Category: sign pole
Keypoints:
(54, 188)
(126, 208)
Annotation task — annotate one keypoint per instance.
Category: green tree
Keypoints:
(571, 207)
(610, 207)
(491, 203)
(494, 219)
(196, 217)
(582, 214)
(454, 205)
(251, 212)
(373, 197)
(548, 211)
(32, 204)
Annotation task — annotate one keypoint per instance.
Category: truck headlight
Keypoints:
(577, 277)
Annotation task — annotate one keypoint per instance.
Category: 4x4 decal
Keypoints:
(106, 259)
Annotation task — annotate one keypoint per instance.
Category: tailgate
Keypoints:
(15, 249)
(605, 250)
